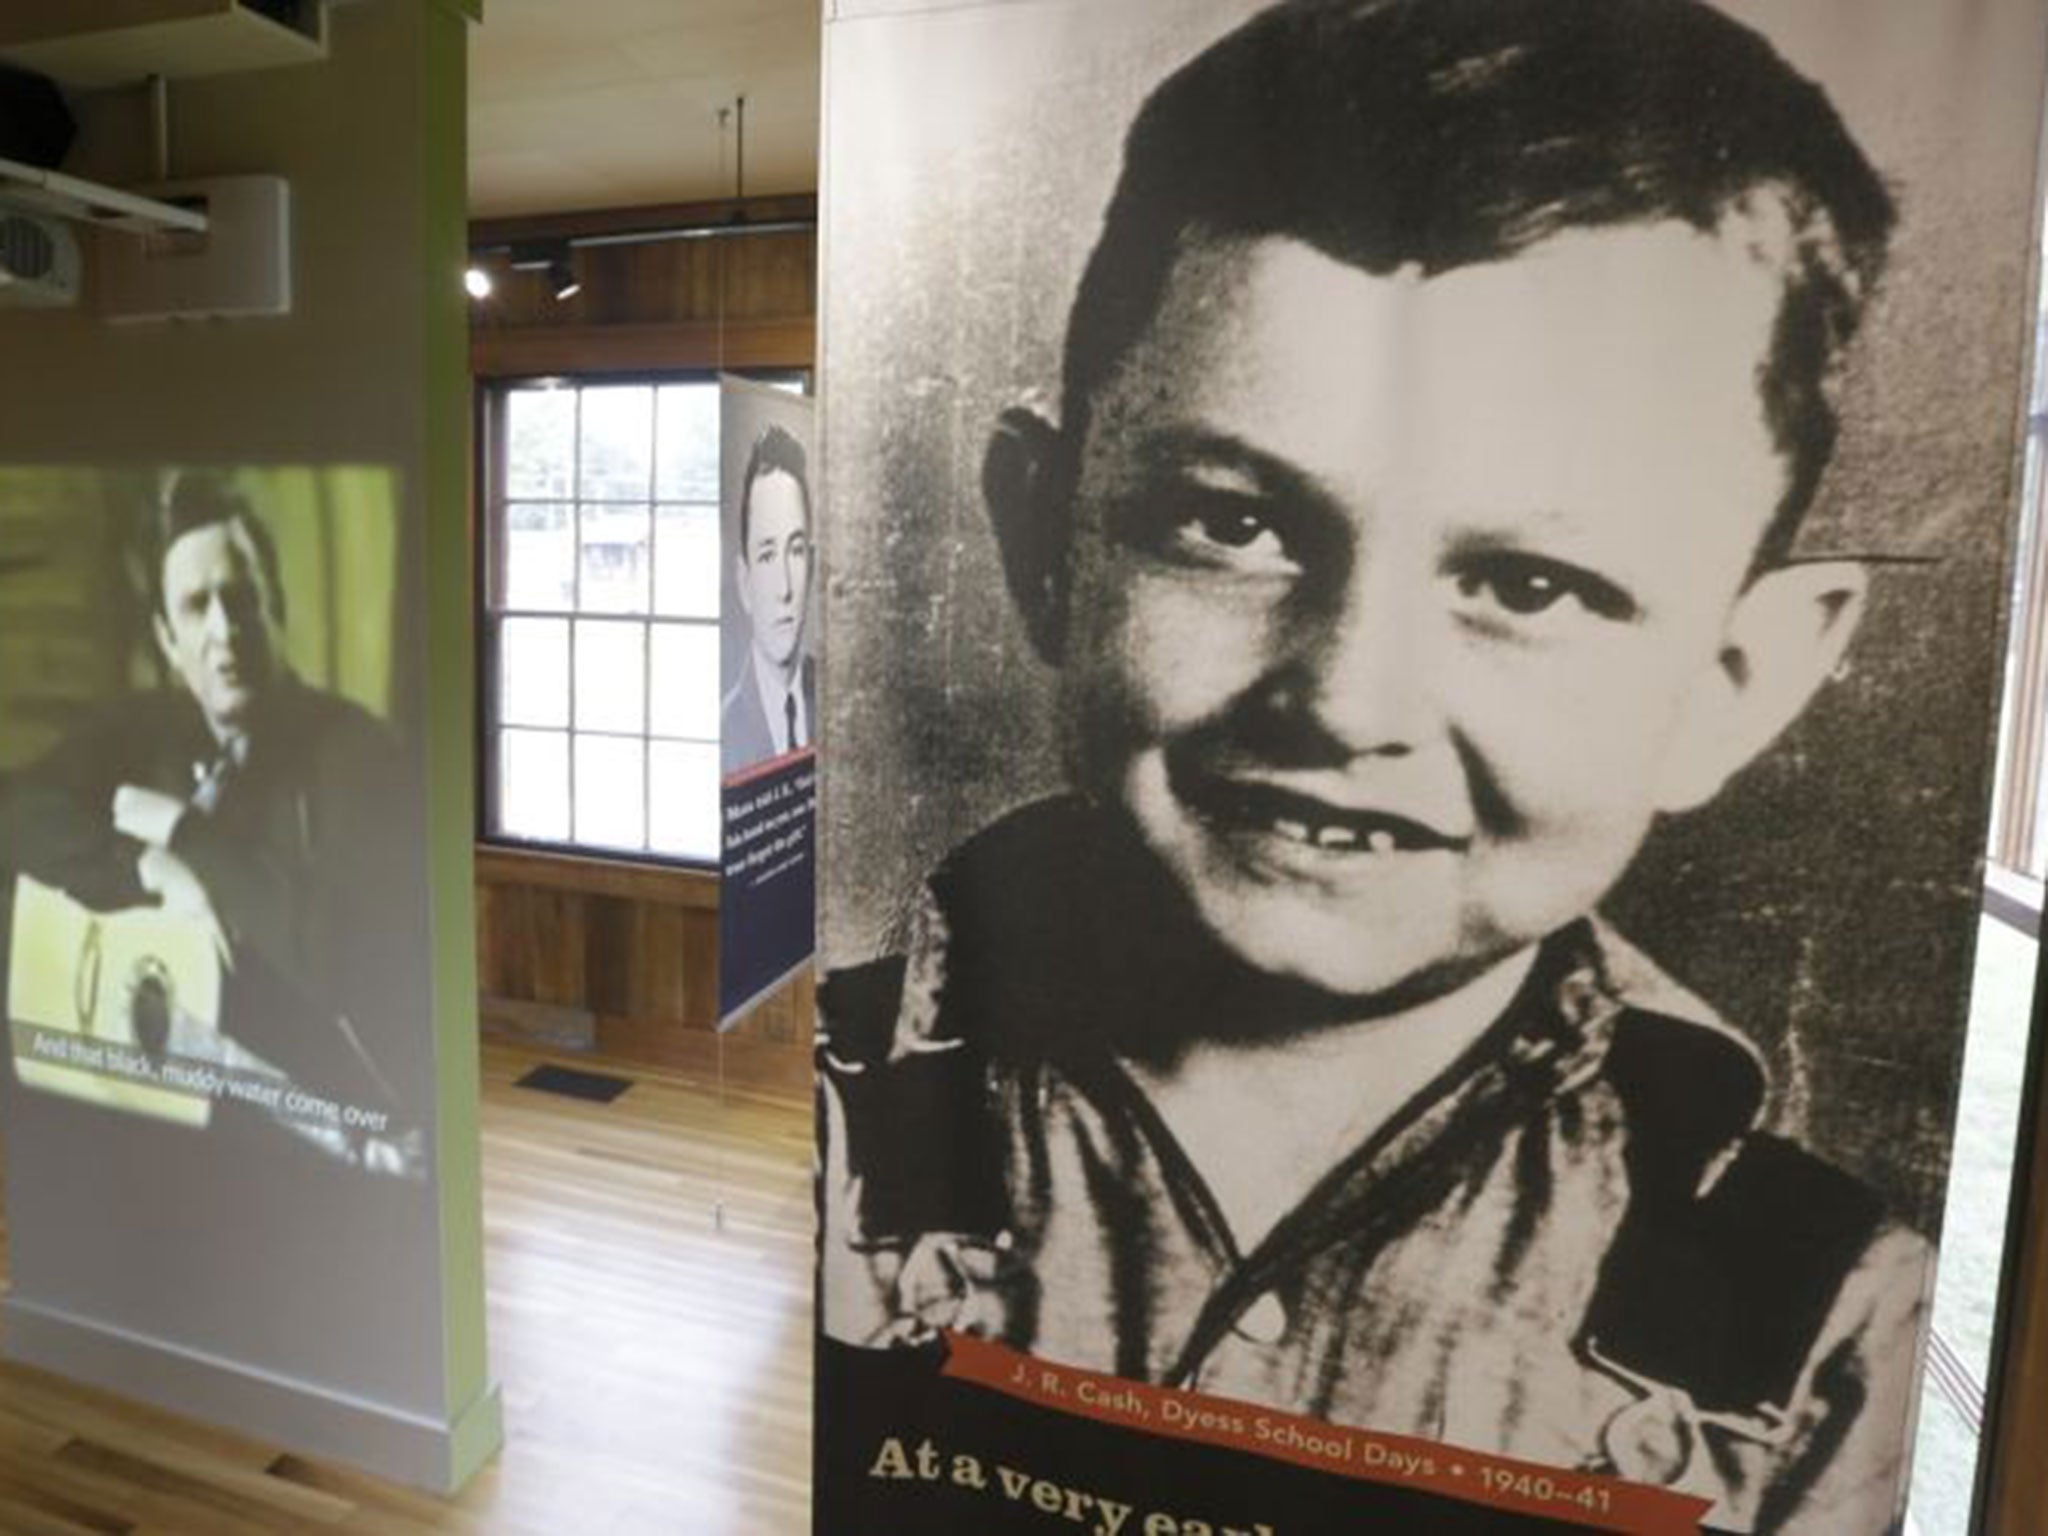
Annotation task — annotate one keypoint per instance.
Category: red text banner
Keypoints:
(1598, 1503)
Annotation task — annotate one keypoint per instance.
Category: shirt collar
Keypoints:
(771, 690)
(1015, 920)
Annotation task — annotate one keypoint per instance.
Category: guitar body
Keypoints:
(99, 1002)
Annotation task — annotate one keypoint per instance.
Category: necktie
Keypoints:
(789, 741)
(210, 780)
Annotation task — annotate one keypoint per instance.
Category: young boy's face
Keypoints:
(1401, 605)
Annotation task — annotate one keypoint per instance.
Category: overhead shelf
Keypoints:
(120, 42)
(72, 197)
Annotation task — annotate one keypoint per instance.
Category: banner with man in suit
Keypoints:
(767, 720)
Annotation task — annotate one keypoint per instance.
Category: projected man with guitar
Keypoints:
(199, 869)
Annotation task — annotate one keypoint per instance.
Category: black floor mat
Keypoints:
(593, 1087)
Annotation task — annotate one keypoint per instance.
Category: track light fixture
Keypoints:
(555, 255)
(552, 257)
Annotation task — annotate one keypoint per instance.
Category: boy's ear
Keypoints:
(1786, 635)
(1027, 503)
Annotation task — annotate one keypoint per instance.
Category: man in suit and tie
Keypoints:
(768, 710)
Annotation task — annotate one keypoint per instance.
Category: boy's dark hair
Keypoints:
(1445, 133)
(198, 500)
(775, 451)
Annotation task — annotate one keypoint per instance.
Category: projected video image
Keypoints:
(200, 797)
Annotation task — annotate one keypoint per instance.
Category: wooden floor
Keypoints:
(656, 1368)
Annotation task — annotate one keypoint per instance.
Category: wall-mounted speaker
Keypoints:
(39, 264)
(36, 127)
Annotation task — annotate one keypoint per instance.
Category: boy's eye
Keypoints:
(1210, 530)
(1528, 585)
(1232, 527)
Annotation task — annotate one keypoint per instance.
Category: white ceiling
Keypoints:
(614, 103)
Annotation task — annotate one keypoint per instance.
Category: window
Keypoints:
(2019, 827)
(1969, 1347)
(602, 577)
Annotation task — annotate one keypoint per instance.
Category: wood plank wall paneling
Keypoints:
(533, 949)
(737, 301)
(758, 277)
(634, 946)
(566, 350)
(637, 948)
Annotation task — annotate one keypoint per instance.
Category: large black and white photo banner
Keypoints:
(767, 732)
(1412, 659)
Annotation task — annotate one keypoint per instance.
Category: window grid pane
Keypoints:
(684, 823)
(611, 665)
(540, 444)
(682, 681)
(539, 555)
(533, 672)
(533, 785)
(611, 792)
(686, 454)
(687, 559)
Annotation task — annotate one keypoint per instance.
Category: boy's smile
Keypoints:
(1402, 604)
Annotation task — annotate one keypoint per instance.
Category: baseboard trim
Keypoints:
(388, 1442)
(549, 1026)
(782, 1067)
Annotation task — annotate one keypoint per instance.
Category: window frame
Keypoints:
(490, 502)
(2016, 837)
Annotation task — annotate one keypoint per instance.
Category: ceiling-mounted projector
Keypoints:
(39, 264)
